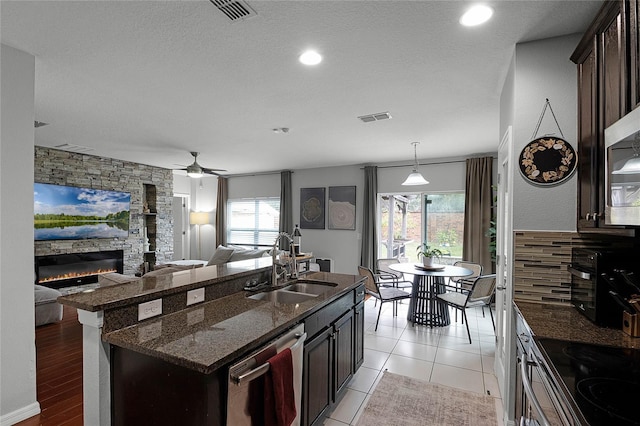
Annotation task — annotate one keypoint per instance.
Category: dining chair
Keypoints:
(389, 276)
(480, 294)
(383, 294)
(466, 282)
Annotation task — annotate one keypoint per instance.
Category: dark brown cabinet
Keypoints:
(343, 361)
(328, 367)
(358, 349)
(332, 355)
(604, 79)
(316, 395)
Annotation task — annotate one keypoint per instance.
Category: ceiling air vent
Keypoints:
(234, 9)
(73, 148)
(375, 117)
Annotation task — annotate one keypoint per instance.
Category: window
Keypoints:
(253, 222)
(406, 220)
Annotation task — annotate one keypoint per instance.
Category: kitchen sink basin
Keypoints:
(310, 288)
(282, 296)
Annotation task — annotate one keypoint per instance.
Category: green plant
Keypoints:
(447, 237)
(426, 251)
(491, 233)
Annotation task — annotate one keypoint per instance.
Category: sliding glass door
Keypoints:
(406, 220)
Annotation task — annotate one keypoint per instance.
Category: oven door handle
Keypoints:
(578, 273)
(528, 389)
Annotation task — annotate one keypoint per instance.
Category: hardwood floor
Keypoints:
(59, 372)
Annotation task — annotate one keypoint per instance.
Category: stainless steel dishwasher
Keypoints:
(241, 375)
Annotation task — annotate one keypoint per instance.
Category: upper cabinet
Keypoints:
(608, 79)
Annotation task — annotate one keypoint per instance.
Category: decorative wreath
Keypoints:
(547, 160)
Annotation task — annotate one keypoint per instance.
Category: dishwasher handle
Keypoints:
(528, 389)
(261, 370)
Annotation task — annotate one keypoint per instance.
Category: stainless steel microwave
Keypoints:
(622, 170)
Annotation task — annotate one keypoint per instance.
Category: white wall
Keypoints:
(447, 175)
(341, 245)
(17, 323)
(203, 199)
(543, 70)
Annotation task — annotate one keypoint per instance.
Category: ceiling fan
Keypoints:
(195, 170)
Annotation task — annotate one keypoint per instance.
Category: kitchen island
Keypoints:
(198, 340)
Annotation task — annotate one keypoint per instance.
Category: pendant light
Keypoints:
(415, 178)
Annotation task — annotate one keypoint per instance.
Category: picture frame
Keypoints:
(312, 208)
(342, 208)
(547, 161)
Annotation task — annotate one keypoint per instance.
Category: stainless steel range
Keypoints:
(602, 381)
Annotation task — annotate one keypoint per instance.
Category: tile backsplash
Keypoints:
(540, 262)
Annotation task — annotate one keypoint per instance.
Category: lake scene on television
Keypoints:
(74, 213)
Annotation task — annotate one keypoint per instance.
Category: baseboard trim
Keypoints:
(20, 414)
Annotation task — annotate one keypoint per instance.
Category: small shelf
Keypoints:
(150, 224)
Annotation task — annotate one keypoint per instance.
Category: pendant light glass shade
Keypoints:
(415, 178)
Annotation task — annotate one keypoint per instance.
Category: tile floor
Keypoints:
(440, 354)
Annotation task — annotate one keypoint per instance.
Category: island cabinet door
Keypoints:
(358, 347)
(317, 383)
(343, 352)
(148, 391)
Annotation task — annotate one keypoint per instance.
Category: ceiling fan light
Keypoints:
(195, 171)
(415, 178)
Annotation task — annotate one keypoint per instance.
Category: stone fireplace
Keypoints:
(66, 270)
(75, 169)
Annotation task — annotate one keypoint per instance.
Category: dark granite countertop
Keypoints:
(146, 288)
(212, 334)
(566, 323)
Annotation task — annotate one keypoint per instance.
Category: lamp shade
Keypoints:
(415, 178)
(199, 218)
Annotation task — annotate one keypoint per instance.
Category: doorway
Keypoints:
(181, 227)
(504, 292)
(407, 220)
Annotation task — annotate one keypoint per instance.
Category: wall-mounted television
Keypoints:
(74, 213)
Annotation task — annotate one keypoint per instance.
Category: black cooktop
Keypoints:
(604, 381)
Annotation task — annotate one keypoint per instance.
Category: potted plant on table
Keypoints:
(428, 253)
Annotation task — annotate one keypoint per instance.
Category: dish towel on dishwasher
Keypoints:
(279, 396)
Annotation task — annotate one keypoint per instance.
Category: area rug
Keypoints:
(401, 400)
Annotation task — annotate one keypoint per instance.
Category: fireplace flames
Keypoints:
(72, 275)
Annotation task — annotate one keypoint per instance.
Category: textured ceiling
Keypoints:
(149, 81)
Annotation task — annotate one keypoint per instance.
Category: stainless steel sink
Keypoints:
(283, 296)
(310, 288)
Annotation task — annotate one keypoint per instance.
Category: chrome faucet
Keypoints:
(293, 264)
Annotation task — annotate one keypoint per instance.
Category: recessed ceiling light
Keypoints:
(310, 57)
(476, 15)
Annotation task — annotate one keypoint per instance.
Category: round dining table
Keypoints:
(424, 308)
